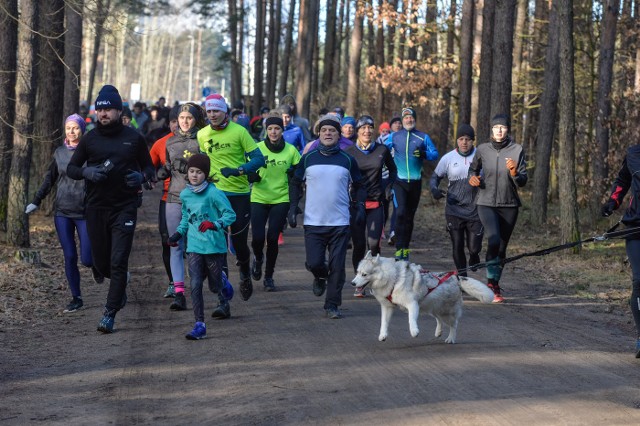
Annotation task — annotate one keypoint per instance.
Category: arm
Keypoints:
(144, 160)
(431, 153)
(391, 166)
(79, 157)
(358, 184)
(621, 184)
(50, 178)
(256, 160)
(521, 176)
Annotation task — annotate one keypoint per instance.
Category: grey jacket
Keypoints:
(498, 187)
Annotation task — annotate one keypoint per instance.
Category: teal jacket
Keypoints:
(211, 204)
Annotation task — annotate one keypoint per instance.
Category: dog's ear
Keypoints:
(368, 255)
(377, 257)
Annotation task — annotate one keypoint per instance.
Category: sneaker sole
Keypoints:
(69, 311)
(177, 308)
(104, 330)
(191, 337)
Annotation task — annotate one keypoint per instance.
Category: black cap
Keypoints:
(465, 130)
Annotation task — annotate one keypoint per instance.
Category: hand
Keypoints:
(31, 208)
(360, 218)
(228, 171)
(162, 173)
(254, 177)
(173, 240)
(417, 153)
(134, 179)
(474, 180)
(291, 216)
(608, 208)
(206, 225)
(438, 193)
(511, 165)
(94, 174)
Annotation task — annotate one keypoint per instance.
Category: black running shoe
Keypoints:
(256, 269)
(319, 286)
(74, 305)
(179, 303)
(246, 288)
(269, 285)
(222, 311)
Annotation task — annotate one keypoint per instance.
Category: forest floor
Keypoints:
(559, 351)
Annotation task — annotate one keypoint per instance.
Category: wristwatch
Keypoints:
(241, 170)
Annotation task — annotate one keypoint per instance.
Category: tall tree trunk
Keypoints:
(329, 44)
(502, 57)
(518, 49)
(445, 120)
(72, 57)
(240, 58)
(235, 85)
(486, 67)
(17, 220)
(355, 59)
(103, 8)
(569, 230)
(8, 57)
(391, 33)
(466, 61)
(547, 126)
(603, 101)
(258, 68)
(337, 66)
(275, 16)
(304, 58)
(380, 62)
(50, 91)
(412, 18)
(288, 42)
(371, 37)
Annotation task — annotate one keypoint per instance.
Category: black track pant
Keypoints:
(241, 205)
(465, 232)
(367, 235)
(164, 236)
(407, 198)
(633, 252)
(498, 223)
(275, 215)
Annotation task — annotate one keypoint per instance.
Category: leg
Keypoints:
(385, 318)
(338, 241)
(413, 311)
(475, 233)
(214, 264)
(456, 229)
(123, 225)
(401, 194)
(197, 271)
(100, 239)
(277, 219)
(85, 246)
(173, 213)
(375, 223)
(359, 238)
(241, 205)
(315, 243)
(259, 217)
(66, 234)
(164, 236)
(633, 252)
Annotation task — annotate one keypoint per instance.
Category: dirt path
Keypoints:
(539, 359)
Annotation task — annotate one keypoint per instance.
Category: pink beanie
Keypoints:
(215, 102)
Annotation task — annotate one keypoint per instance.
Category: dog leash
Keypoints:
(610, 234)
(441, 279)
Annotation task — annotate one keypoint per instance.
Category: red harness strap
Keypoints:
(440, 281)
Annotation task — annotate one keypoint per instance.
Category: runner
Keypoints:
(270, 198)
(228, 144)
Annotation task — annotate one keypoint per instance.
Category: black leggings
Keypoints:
(164, 236)
(276, 216)
(406, 200)
(367, 235)
(241, 205)
(633, 252)
(463, 232)
(498, 223)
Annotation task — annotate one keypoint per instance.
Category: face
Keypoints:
(195, 176)
(286, 118)
(161, 102)
(408, 122)
(108, 115)
(347, 130)
(365, 134)
(137, 109)
(329, 135)
(385, 132)
(274, 132)
(396, 126)
(464, 143)
(154, 114)
(72, 132)
(499, 132)
(186, 121)
(173, 126)
(126, 120)
(216, 117)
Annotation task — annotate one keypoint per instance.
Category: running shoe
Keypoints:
(269, 285)
(256, 269)
(392, 239)
(171, 291)
(74, 305)
(333, 312)
(222, 311)
(246, 287)
(199, 332)
(319, 286)
(179, 303)
(106, 324)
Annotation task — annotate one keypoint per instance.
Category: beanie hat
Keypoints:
(348, 120)
(108, 97)
(126, 112)
(215, 102)
(393, 120)
(200, 161)
(78, 120)
(500, 120)
(408, 111)
(339, 111)
(364, 120)
(274, 119)
(465, 130)
(264, 109)
(195, 111)
(384, 126)
(328, 120)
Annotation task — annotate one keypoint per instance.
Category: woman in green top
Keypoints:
(270, 198)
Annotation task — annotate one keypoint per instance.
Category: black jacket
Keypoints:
(628, 178)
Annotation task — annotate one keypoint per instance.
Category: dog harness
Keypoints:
(441, 279)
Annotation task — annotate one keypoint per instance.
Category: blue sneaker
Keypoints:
(638, 348)
(199, 332)
(106, 324)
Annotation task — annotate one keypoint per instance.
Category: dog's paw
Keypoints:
(415, 332)
(382, 337)
(450, 340)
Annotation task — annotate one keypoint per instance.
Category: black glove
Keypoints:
(228, 171)
(162, 173)
(360, 217)
(291, 216)
(417, 153)
(438, 193)
(94, 174)
(173, 240)
(608, 208)
(254, 177)
(134, 179)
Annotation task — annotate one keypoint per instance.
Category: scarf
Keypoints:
(222, 125)
(499, 145)
(274, 147)
(329, 150)
(69, 147)
(191, 133)
(198, 188)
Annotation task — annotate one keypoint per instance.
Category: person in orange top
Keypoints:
(158, 154)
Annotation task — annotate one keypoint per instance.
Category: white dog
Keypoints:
(406, 285)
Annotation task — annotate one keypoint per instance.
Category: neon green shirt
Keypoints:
(227, 148)
(273, 188)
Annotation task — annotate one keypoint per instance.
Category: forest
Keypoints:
(567, 72)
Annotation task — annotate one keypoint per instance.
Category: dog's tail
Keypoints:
(476, 289)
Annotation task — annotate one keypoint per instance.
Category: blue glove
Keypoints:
(134, 179)
(94, 174)
(228, 171)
